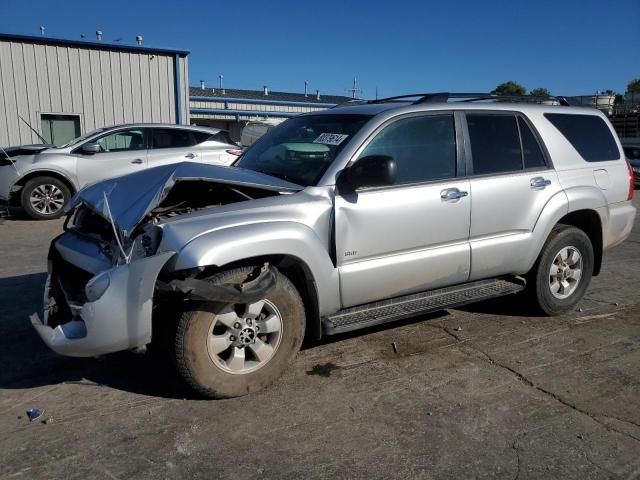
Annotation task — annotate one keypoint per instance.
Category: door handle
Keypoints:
(189, 155)
(137, 160)
(540, 183)
(451, 194)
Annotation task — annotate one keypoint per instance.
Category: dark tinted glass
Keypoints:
(222, 137)
(632, 153)
(588, 134)
(495, 144)
(533, 157)
(201, 137)
(424, 148)
(171, 138)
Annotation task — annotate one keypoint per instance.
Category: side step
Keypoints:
(398, 308)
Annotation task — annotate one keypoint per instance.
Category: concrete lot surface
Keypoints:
(483, 392)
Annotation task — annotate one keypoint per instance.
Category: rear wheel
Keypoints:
(232, 350)
(43, 198)
(563, 271)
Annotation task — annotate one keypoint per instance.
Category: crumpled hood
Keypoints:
(131, 197)
(24, 150)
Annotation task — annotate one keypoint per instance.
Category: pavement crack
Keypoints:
(514, 446)
(548, 393)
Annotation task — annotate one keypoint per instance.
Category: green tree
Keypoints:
(510, 88)
(633, 85)
(540, 92)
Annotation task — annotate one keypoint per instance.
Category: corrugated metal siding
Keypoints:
(102, 86)
(218, 105)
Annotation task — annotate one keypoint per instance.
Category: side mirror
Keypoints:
(372, 171)
(91, 148)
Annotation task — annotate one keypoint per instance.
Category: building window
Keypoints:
(59, 129)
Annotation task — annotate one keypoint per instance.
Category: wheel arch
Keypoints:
(293, 248)
(589, 221)
(14, 197)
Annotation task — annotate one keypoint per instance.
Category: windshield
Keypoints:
(81, 138)
(302, 148)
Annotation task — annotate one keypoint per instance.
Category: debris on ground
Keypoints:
(48, 421)
(34, 413)
(458, 329)
(395, 347)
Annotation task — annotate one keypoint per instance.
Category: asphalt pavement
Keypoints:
(488, 391)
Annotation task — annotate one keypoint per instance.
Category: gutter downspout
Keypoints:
(178, 88)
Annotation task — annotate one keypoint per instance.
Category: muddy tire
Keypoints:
(43, 198)
(227, 351)
(563, 271)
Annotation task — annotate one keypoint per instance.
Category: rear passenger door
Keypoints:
(411, 236)
(511, 180)
(212, 148)
(171, 145)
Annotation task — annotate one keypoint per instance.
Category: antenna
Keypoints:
(355, 90)
(42, 29)
(306, 84)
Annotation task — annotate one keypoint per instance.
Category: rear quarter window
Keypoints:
(588, 134)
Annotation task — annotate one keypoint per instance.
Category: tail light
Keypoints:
(237, 153)
(631, 181)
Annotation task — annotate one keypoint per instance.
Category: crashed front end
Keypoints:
(103, 270)
(95, 303)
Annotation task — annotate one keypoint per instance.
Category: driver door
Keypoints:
(121, 152)
(414, 235)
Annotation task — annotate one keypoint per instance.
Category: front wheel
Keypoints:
(563, 271)
(43, 198)
(231, 350)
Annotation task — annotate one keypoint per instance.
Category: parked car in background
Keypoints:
(253, 130)
(42, 178)
(632, 152)
(338, 220)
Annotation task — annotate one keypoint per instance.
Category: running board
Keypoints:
(398, 308)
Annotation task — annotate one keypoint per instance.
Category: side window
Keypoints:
(588, 134)
(495, 143)
(424, 148)
(201, 137)
(172, 138)
(531, 151)
(122, 141)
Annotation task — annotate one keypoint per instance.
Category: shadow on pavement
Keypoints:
(29, 363)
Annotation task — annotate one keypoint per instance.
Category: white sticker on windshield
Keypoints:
(331, 138)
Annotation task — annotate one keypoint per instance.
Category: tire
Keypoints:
(202, 331)
(52, 193)
(550, 292)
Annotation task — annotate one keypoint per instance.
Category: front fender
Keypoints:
(221, 247)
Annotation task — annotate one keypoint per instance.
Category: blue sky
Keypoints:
(568, 46)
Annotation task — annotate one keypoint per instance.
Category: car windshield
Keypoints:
(302, 148)
(81, 138)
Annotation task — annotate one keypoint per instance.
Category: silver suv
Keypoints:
(42, 178)
(334, 221)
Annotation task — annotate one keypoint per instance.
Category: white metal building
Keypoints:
(64, 88)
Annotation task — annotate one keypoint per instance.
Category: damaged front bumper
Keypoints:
(119, 319)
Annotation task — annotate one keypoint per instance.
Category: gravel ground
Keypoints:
(487, 391)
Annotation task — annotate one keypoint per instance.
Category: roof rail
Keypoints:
(440, 97)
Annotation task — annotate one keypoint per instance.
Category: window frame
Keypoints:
(94, 139)
(186, 130)
(460, 151)
(517, 115)
(61, 114)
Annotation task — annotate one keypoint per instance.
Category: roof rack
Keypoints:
(440, 97)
